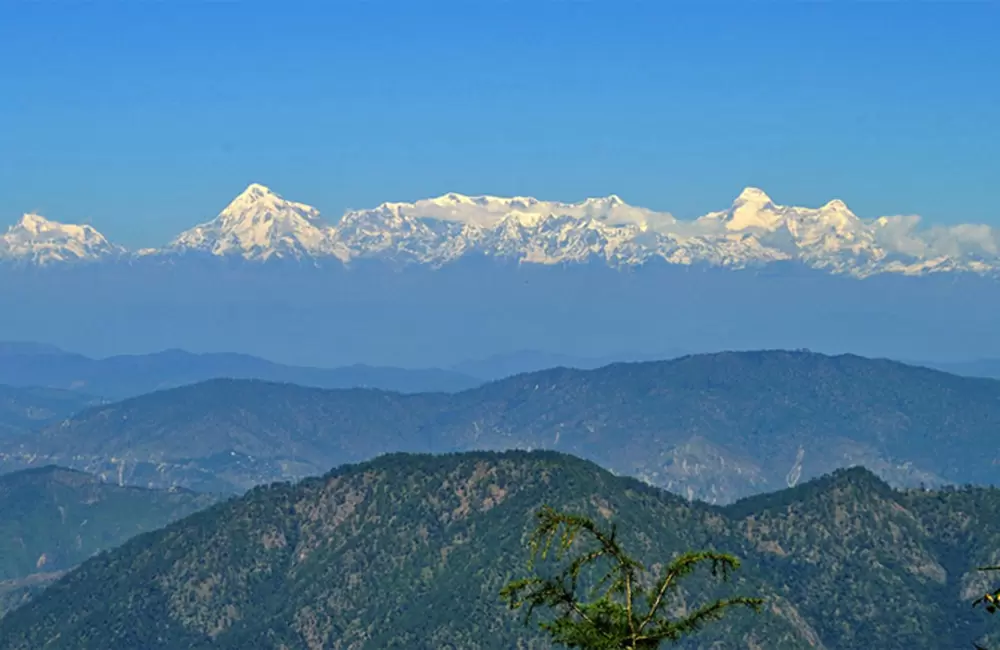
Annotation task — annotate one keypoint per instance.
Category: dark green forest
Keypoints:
(411, 551)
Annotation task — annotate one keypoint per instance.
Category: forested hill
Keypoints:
(716, 427)
(408, 551)
(51, 519)
(24, 408)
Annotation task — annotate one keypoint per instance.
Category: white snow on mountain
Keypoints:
(259, 225)
(34, 239)
(488, 211)
(752, 210)
(754, 231)
(830, 237)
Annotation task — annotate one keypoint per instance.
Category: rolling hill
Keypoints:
(123, 376)
(501, 366)
(715, 427)
(30, 407)
(51, 519)
(408, 551)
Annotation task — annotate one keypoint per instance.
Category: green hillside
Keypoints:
(409, 551)
(51, 519)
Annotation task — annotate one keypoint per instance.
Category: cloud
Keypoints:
(901, 234)
(964, 239)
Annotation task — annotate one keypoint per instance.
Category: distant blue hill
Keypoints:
(23, 408)
(24, 364)
(499, 366)
(989, 368)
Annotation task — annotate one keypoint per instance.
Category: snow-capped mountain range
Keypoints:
(37, 240)
(260, 225)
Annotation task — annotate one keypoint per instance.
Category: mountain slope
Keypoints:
(129, 375)
(977, 368)
(28, 407)
(501, 366)
(716, 427)
(226, 435)
(755, 231)
(37, 240)
(51, 519)
(409, 551)
(259, 225)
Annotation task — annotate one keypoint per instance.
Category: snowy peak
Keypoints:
(610, 201)
(258, 199)
(42, 241)
(489, 211)
(837, 215)
(35, 224)
(257, 191)
(752, 196)
(452, 199)
(836, 205)
(260, 224)
(754, 230)
(752, 210)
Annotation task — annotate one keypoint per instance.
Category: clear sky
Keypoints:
(144, 118)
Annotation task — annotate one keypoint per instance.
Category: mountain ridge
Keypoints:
(699, 425)
(120, 376)
(410, 551)
(38, 240)
(29, 407)
(259, 225)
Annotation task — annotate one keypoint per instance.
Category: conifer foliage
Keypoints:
(627, 607)
(990, 601)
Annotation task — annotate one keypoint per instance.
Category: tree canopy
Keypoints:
(626, 607)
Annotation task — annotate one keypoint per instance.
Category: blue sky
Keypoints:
(144, 118)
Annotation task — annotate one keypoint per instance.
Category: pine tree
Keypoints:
(626, 609)
(990, 601)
